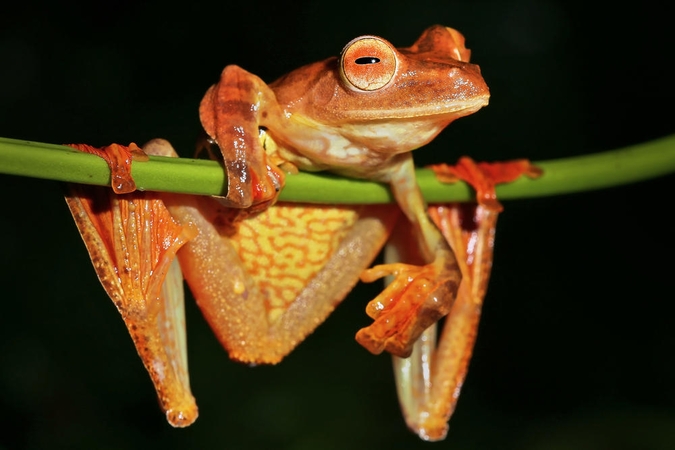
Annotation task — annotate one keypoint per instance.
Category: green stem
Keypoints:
(202, 177)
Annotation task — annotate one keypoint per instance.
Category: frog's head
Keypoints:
(387, 99)
(432, 79)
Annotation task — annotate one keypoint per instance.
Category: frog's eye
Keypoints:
(367, 63)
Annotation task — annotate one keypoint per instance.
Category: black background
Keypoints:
(575, 346)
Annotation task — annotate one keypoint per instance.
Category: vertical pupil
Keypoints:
(367, 60)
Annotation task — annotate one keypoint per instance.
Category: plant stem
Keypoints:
(201, 177)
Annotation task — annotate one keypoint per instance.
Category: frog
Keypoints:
(266, 273)
(360, 115)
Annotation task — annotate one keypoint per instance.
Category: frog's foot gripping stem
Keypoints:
(413, 301)
(230, 116)
(118, 157)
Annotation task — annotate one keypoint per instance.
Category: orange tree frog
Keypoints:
(265, 275)
(358, 115)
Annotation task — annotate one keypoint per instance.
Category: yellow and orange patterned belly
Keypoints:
(284, 247)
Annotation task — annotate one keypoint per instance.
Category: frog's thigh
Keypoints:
(264, 288)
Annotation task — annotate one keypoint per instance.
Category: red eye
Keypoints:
(367, 63)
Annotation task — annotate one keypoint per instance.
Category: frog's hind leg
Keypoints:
(132, 241)
(430, 380)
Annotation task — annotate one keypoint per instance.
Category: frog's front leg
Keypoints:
(232, 113)
(419, 295)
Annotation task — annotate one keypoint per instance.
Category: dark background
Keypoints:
(575, 346)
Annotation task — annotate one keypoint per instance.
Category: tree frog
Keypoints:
(358, 115)
(266, 274)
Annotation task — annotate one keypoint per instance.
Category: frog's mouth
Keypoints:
(466, 108)
(452, 109)
(448, 110)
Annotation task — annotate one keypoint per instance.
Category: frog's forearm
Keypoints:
(409, 197)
